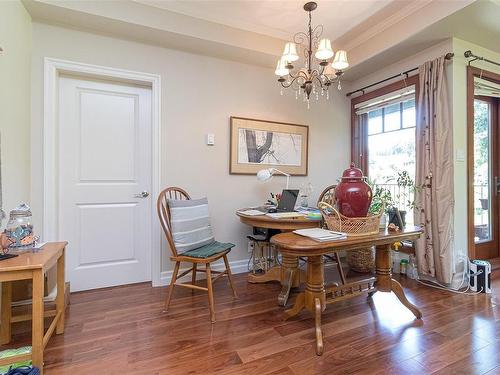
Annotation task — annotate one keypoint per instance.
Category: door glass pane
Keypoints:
(482, 172)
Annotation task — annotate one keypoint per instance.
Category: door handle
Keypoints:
(143, 194)
(497, 185)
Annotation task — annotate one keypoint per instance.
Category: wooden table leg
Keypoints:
(273, 274)
(318, 309)
(385, 282)
(313, 298)
(290, 277)
(37, 320)
(60, 305)
(6, 313)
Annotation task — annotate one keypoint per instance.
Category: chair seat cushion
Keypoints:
(209, 250)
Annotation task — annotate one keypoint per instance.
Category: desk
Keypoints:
(33, 266)
(288, 274)
(316, 296)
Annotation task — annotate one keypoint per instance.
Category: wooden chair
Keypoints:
(165, 220)
(328, 196)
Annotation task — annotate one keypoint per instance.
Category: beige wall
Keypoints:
(15, 69)
(199, 94)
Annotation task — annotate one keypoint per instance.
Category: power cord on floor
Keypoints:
(465, 275)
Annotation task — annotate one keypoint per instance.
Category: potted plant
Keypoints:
(405, 186)
(381, 197)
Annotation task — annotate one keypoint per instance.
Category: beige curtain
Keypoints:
(434, 175)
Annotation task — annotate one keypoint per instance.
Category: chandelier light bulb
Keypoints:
(290, 52)
(340, 61)
(324, 51)
(281, 69)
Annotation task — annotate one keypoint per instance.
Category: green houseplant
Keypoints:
(405, 187)
(381, 199)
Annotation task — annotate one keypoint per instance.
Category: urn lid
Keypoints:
(23, 210)
(353, 173)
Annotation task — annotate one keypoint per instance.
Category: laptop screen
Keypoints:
(288, 200)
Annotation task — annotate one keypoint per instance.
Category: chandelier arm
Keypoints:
(300, 38)
(316, 34)
(319, 81)
(290, 83)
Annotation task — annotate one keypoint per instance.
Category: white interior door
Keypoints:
(104, 166)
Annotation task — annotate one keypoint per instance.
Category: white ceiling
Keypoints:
(278, 18)
(374, 32)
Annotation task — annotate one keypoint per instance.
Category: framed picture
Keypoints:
(259, 144)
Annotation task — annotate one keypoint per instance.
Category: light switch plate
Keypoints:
(210, 138)
(460, 155)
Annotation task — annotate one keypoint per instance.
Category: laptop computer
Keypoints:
(288, 200)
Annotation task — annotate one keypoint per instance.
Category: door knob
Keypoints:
(143, 194)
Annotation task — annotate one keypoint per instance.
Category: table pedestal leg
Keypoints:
(290, 277)
(385, 282)
(313, 298)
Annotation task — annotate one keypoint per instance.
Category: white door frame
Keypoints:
(52, 69)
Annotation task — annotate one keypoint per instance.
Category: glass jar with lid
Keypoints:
(19, 229)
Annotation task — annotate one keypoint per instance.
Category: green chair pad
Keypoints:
(208, 250)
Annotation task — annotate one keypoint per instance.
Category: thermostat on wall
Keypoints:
(210, 138)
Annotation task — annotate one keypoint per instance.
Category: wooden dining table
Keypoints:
(316, 296)
(288, 273)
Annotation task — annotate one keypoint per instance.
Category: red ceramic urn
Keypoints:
(353, 194)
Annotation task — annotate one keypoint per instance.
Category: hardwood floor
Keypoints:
(123, 331)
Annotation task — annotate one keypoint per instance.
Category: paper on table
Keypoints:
(252, 212)
(285, 215)
(322, 235)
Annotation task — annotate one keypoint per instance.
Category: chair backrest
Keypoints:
(328, 195)
(164, 212)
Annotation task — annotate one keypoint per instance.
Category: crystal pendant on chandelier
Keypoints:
(318, 72)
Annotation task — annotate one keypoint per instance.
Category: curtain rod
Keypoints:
(448, 56)
(468, 54)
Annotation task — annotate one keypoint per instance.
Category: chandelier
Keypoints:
(310, 79)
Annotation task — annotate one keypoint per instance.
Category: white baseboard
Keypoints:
(237, 266)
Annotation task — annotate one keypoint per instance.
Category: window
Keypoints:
(391, 141)
(384, 136)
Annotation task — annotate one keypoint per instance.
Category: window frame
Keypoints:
(362, 137)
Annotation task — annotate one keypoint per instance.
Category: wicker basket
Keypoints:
(353, 226)
(362, 260)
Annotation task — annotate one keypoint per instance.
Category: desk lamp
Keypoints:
(267, 174)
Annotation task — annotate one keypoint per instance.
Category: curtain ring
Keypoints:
(404, 79)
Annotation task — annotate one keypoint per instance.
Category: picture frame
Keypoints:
(259, 144)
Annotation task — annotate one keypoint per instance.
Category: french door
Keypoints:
(486, 177)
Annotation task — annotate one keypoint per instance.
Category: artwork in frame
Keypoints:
(258, 144)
